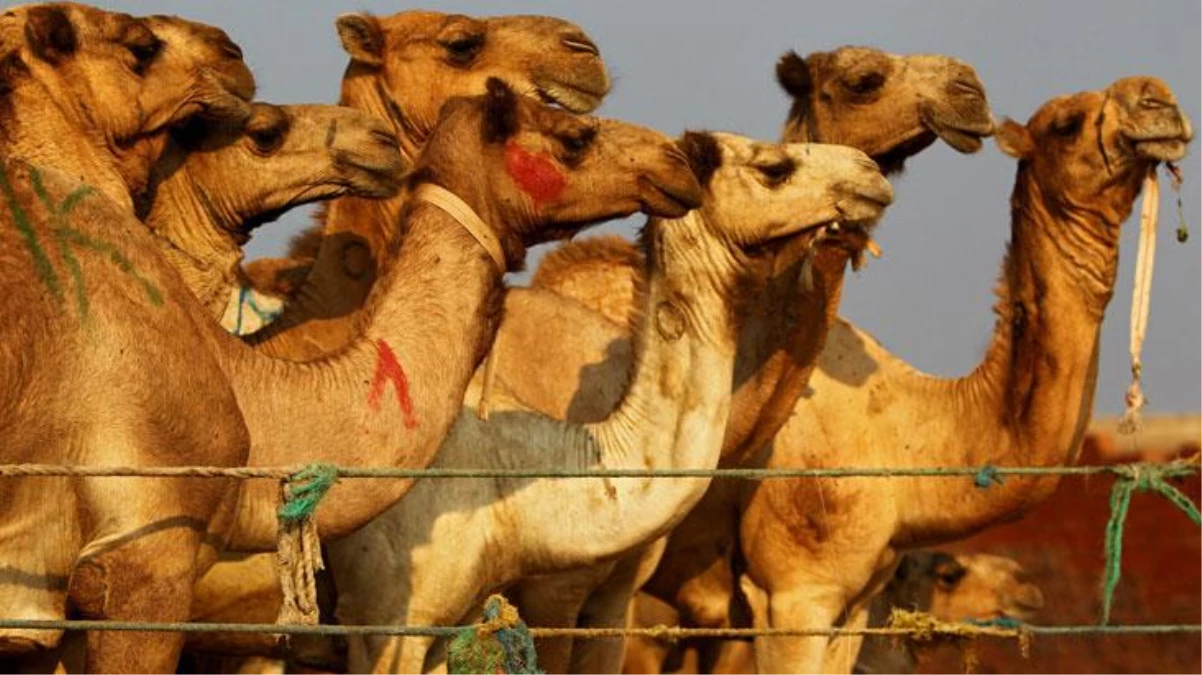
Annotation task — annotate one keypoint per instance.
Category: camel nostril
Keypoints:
(966, 86)
(384, 137)
(230, 48)
(579, 42)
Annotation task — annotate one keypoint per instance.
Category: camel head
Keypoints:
(114, 76)
(283, 157)
(208, 75)
(1099, 144)
(404, 67)
(543, 173)
(981, 586)
(757, 192)
(888, 105)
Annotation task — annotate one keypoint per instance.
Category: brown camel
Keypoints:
(132, 548)
(975, 586)
(215, 184)
(890, 106)
(1082, 160)
(912, 101)
(69, 101)
(447, 546)
(402, 69)
(85, 94)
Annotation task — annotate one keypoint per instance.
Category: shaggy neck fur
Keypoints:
(1030, 400)
(192, 231)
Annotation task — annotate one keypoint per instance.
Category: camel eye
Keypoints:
(1068, 126)
(144, 52)
(268, 139)
(579, 142)
(462, 50)
(865, 84)
(776, 173)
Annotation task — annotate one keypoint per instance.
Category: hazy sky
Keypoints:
(709, 64)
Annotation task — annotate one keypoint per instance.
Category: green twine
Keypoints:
(987, 476)
(502, 644)
(304, 490)
(1141, 477)
(1005, 622)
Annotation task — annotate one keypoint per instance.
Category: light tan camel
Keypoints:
(402, 69)
(451, 543)
(215, 184)
(820, 548)
(903, 104)
(132, 548)
(950, 587)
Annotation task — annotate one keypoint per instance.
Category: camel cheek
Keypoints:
(388, 369)
(535, 174)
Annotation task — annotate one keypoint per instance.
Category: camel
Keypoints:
(1082, 159)
(402, 69)
(131, 548)
(65, 67)
(448, 545)
(977, 586)
(203, 208)
(891, 106)
(902, 106)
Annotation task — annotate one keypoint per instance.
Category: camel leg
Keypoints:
(608, 607)
(842, 652)
(797, 608)
(552, 602)
(147, 579)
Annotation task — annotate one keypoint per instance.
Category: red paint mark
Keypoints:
(389, 369)
(535, 174)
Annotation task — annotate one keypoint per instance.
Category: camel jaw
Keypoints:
(570, 97)
(964, 136)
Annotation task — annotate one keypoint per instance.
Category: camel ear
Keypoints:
(11, 68)
(362, 38)
(703, 152)
(793, 74)
(49, 32)
(500, 111)
(1014, 139)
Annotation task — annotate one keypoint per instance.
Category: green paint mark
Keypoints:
(41, 263)
(66, 236)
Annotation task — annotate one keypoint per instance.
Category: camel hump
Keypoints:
(601, 273)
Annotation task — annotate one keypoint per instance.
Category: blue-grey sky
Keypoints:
(709, 64)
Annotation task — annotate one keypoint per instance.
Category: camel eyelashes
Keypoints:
(578, 142)
(268, 139)
(777, 173)
(1068, 126)
(865, 84)
(462, 50)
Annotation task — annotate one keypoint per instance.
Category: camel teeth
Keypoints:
(873, 247)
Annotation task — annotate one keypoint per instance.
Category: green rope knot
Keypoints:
(1140, 477)
(1007, 622)
(987, 476)
(304, 490)
(501, 644)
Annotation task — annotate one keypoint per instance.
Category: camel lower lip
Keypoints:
(963, 141)
(572, 99)
(1160, 149)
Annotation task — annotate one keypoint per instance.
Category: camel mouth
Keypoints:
(963, 135)
(666, 201)
(375, 180)
(1166, 149)
(574, 98)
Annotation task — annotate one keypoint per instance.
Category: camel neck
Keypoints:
(780, 338)
(364, 89)
(1030, 400)
(675, 409)
(386, 399)
(41, 130)
(190, 230)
